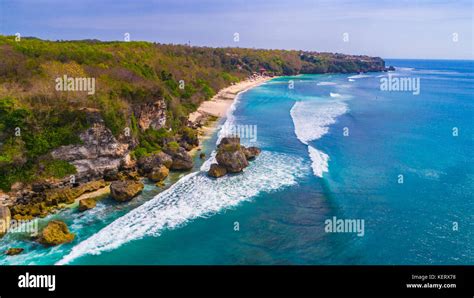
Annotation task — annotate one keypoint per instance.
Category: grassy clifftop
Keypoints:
(35, 118)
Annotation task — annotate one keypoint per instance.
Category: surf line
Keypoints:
(311, 120)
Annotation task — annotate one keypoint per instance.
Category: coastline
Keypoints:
(204, 120)
(206, 117)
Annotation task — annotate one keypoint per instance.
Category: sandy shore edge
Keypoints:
(207, 114)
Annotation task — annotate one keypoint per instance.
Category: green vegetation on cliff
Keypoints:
(35, 118)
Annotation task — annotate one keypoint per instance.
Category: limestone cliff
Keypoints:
(152, 115)
(99, 152)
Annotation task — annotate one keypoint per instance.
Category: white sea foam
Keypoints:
(319, 161)
(359, 76)
(326, 83)
(351, 80)
(230, 118)
(392, 74)
(207, 164)
(311, 118)
(404, 68)
(334, 94)
(437, 72)
(194, 196)
(345, 86)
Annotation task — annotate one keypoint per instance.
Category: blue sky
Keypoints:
(390, 29)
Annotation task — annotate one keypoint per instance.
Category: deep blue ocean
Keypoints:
(333, 146)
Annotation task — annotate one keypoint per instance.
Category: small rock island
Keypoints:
(232, 157)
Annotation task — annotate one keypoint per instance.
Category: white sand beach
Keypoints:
(218, 106)
(220, 103)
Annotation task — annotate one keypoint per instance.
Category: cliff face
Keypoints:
(152, 115)
(100, 152)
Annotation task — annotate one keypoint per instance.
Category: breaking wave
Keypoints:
(359, 76)
(404, 68)
(194, 196)
(312, 120)
(319, 161)
(326, 83)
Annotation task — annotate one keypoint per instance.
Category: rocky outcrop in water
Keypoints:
(55, 233)
(86, 204)
(182, 161)
(13, 251)
(231, 157)
(158, 174)
(216, 171)
(123, 191)
(251, 152)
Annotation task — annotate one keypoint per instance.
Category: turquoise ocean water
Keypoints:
(333, 146)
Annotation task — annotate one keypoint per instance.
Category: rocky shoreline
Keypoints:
(147, 120)
(43, 198)
(104, 167)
